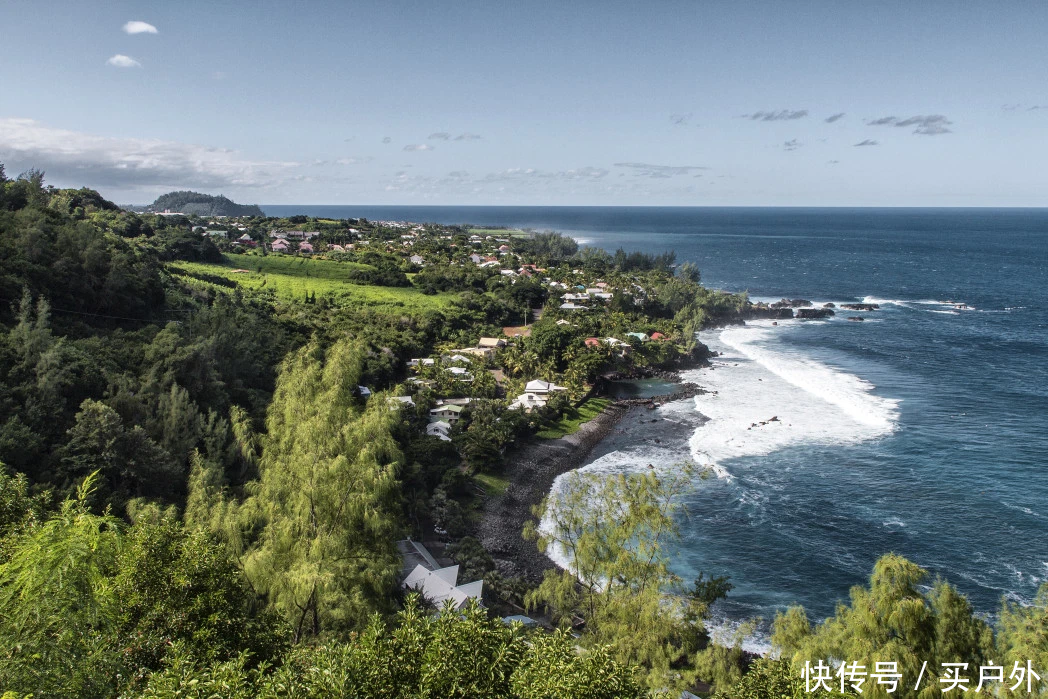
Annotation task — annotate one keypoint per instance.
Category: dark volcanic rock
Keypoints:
(812, 313)
(860, 306)
(791, 303)
(856, 318)
(829, 305)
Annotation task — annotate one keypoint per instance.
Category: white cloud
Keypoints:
(122, 61)
(79, 159)
(418, 146)
(137, 27)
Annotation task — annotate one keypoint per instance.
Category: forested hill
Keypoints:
(203, 205)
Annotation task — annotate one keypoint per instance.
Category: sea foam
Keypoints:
(756, 379)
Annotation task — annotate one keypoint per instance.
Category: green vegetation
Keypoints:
(300, 278)
(573, 418)
(201, 499)
(202, 205)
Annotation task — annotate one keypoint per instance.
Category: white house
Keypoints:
(417, 260)
(439, 429)
(528, 402)
(572, 307)
(542, 388)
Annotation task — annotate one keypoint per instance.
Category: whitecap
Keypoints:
(811, 401)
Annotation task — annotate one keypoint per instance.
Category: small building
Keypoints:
(439, 429)
(403, 401)
(305, 247)
(592, 342)
(364, 391)
(336, 248)
(216, 234)
(528, 402)
(417, 260)
(638, 336)
(542, 388)
(503, 248)
(657, 336)
(447, 413)
(491, 342)
(280, 245)
(572, 307)
(423, 361)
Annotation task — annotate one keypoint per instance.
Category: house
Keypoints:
(528, 402)
(575, 297)
(425, 361)
(572, 307)
(417, 260)
(563, 322)
(436, 584)
(476, 259)
(638, 336)
(439, 429)
(216, 234)
(592, 342)
(491, 342)
(422, 383)
(603, 296)
(305, 247)
(280, 245)
(615, 342)
(403, 401)
(461, 373)
(542, 388)
(302, 235)
(446, 413)
(365, 392)
(503, 248)
(336, 248)
(507, 273)
(278, 234)
(457, 358)
(657, 336)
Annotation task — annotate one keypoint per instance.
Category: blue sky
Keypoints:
(660, 103)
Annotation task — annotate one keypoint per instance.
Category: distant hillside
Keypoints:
(202, 205)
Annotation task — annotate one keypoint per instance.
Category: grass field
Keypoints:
(295, 277)
(572, 420)
(494, 485)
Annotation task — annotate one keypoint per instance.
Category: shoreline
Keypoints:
(531, 469)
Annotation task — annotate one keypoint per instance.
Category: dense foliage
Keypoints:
(202, 205)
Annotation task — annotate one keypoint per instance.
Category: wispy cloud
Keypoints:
(122, 61)
(137, 27)
(927, 124)
(781, 115)
(834, 117)
(439, 136)
(387, 139)
(792, 144)
(417, 146)
(467, 137)
(867, 142)
(660, 171)
(78, 159)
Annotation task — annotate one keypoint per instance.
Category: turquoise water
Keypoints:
(922, 430)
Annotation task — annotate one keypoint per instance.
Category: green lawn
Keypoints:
(294, 277)
(573, 419)
(494, 485)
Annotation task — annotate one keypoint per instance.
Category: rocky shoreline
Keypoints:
(531, 469)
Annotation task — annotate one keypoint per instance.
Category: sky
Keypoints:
(658, 103)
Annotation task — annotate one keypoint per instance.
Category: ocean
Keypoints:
(922, 430)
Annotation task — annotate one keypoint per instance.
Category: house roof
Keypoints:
(440, 585)
(540, 386)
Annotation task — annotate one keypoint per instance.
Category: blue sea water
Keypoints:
(922, 430)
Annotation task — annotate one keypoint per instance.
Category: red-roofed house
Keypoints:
(592, 342)
(657, 336)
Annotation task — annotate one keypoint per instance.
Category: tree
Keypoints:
(612, 533)
(319, 524)
(56, 606)
(891, 621)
